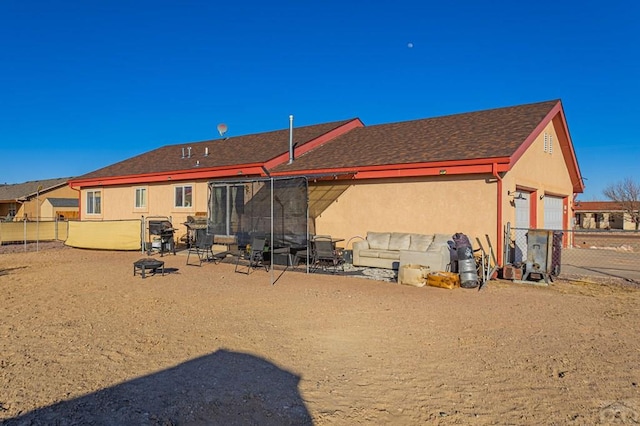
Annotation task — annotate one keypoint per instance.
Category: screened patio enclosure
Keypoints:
(274, 208)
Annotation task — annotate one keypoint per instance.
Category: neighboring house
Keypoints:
(30, 200)
(61, 208)
(471, 173)
(602, 215)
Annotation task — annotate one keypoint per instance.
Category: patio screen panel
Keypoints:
(244, 208)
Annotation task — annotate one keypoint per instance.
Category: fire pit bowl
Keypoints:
(148, 264)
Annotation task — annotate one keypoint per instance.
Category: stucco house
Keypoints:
(471, 172)
(38, 199)
(602, 215)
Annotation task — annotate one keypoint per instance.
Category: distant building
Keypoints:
(601, 215)
(35, 200)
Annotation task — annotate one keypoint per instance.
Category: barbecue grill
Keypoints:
(163, 231)
(193, 224)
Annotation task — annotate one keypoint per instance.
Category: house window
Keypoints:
(141, 198)
(12, 209)
(94, 203)
(184, 196)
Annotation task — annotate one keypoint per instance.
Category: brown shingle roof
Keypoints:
(25, 190)
(597, 206)
(483, 134)
(249, 149)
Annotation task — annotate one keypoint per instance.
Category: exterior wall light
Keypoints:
(517, 195)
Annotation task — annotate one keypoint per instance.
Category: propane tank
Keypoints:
(466, 261)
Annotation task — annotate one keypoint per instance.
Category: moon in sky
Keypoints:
(409, 45)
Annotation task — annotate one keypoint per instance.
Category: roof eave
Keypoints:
(252, 169)
(437, 168)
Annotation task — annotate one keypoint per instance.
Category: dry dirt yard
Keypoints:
(84, 341)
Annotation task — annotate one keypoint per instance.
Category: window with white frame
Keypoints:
(12, 209)
(94, 202)
(141, 198)
(183, 196)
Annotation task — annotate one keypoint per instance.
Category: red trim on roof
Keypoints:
(566, 145)
(556, 115)
(532, 137)
(176, 176)
(476, 166)
(321, 140)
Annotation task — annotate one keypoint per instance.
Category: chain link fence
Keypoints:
(26, 231)
(585, 253)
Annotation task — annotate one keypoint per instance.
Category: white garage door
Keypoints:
(553, 212)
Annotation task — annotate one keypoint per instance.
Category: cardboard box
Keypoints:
(415, 275)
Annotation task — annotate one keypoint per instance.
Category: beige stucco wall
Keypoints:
(539, 172)
(442, 204)
(118, 203)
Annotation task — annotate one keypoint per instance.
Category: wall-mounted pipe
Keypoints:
(499, 230)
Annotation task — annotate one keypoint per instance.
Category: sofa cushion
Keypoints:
(378, 240)
(370, 253)
(399, 241)
(439, 241)
(387, 254)
(420, 242)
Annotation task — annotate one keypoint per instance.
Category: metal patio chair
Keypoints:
(254, 258)
(307, 255)
(326, 256)
(202, 247)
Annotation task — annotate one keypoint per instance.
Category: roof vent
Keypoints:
(290, 139)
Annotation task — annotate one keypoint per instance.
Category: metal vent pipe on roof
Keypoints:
(290, 139)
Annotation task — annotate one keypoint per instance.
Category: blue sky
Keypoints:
(84, 84)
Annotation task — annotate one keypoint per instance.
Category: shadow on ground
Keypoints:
(225, 387)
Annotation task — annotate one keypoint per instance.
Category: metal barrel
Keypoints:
(468, 273)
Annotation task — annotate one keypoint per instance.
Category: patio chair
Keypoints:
(254, 258)
(302, 256)
(307, 255)
(325, 255)
(202, 248)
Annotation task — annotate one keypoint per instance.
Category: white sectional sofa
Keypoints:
(392, 249)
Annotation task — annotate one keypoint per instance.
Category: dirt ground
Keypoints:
(84, 341)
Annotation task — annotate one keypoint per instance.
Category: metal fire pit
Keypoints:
(148, 264)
